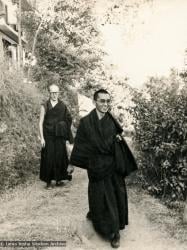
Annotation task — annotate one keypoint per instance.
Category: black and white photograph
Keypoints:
(93, 124)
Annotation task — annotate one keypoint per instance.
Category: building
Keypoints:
(9, 38)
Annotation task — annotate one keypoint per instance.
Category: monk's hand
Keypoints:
(69, 148)
(42, 143)
(70, 169)
(118, 137)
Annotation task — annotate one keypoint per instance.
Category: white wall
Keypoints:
(12, 18)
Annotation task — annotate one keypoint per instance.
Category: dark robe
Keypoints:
(94, 150)
(56, 130)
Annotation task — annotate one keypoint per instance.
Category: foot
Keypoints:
(48, 186)
(59, 184)
(88, 216)
(69, 177)
(115, 241)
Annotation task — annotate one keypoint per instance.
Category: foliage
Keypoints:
(66, 48)
(160, 122)
(19, 145)
(66, 41)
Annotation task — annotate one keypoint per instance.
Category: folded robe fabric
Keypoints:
(90, 143)
(125, 161)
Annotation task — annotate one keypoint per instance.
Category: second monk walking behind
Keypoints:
(55, 130)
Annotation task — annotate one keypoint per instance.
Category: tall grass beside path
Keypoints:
(19, 145)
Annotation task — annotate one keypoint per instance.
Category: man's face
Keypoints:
(54, 92)
(103, 102)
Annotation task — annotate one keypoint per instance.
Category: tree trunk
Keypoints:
(34, 44)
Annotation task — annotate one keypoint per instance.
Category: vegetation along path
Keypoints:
(34, 213)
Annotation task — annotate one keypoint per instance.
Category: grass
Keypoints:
(169, 220)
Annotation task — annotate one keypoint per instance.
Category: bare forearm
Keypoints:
(41, 130)
(41, 121)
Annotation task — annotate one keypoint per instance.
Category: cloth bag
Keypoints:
(125, 161)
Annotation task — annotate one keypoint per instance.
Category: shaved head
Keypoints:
(53, 88)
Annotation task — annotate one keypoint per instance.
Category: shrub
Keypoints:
(19, 145)
(160, 122)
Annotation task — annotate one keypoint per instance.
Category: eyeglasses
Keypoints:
(54, 93)
(102, 101)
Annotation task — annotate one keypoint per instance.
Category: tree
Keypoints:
(66, 39)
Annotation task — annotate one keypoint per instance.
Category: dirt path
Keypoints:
(33, 213)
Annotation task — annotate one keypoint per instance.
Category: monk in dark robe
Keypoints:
(95, 149)
(55, 130)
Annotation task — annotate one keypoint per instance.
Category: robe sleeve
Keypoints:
(81, 150)
(69, 122)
